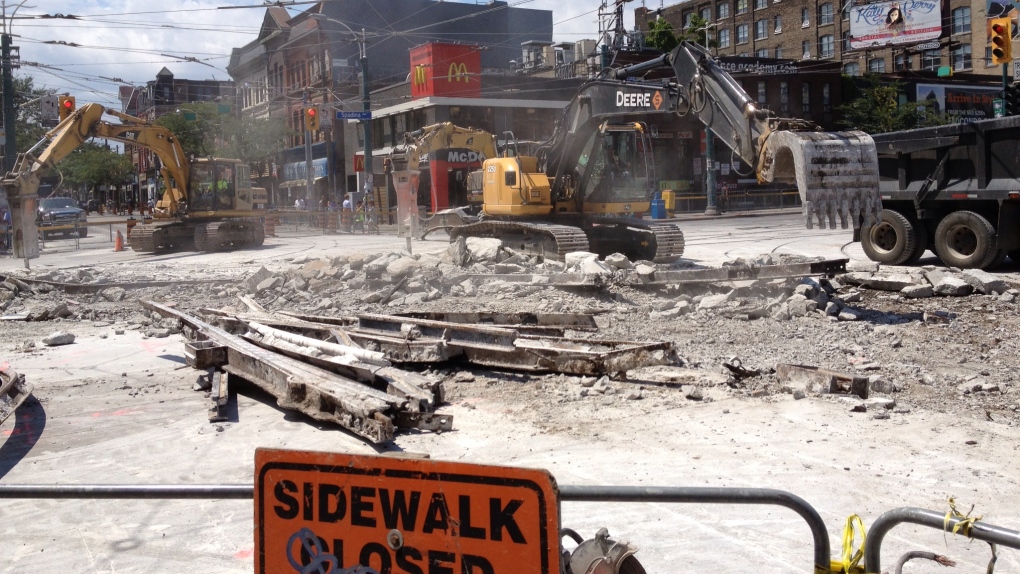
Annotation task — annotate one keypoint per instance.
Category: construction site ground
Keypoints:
(117, 407)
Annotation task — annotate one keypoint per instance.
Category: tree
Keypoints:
(92, 165)
(196, 127)
(661, 35)
(252, 140)
(875, 108)
(696, 32)
(28, 127)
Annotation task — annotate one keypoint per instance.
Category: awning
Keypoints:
(299, 182)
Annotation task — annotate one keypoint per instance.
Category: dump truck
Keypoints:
(573, 195)
(209, 204)
(954, 189)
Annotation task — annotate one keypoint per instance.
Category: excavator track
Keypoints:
(142, 238)
(545, 239)
(669, 242)
(637, 239)
(228, 235)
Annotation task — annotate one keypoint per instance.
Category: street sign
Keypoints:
(48, 108)
(323, 512)
(353, 115)
(1016, 70)
(325, 119)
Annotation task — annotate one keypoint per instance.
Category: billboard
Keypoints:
(966, 103)
(898, 22)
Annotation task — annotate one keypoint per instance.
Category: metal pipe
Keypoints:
(931, 519)
(709, 496)
(568, 493)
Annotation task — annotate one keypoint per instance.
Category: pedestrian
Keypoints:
(347, 202)
(346, 219)
(359, 218)
(372, 218)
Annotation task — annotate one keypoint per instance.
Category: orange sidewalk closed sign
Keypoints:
(320, 512)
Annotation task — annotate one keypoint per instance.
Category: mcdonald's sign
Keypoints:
(462, 64)
(359, 163)
(457, 73)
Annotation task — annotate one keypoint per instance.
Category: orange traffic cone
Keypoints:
(118, 245)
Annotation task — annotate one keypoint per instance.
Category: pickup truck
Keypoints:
(61, 212)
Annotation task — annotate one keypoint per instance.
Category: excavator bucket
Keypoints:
(835, 173)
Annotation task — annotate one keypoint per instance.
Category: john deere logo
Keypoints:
(419, 76)
(457, 73)
(657, 100)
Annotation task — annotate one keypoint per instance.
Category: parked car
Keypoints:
(61, 212)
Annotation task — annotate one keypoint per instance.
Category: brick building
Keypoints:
(819, 31)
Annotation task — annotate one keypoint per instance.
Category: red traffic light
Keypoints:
(68, 104)
(311, 111)
(998, 28)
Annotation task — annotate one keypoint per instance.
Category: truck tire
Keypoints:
(83, 232)
(966, 240)
(1015, 255)
(923, 242)
(891, 240)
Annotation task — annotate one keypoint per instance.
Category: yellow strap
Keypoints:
(966, 522)
(850, 559)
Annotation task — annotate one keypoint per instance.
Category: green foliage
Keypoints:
(197, 136)
(92, 165)
(875, 108)
(252, 140)
(204, 131)
(27, 127)
(661, 35)
(697, 33)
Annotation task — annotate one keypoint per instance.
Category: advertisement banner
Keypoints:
(966, 103)
(898, 22)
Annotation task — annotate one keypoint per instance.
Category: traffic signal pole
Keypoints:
(308, 149)
(10, 145)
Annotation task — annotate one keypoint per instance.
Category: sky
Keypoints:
(126, 42)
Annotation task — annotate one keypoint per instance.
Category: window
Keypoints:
(706, 14)
(826, 98)
(931, 59)
(742, 34)
(761, 93)
(761, 4)
(687, 19)
(960, 55)
(825, 14)
(845, 41)
(741, 6)
(763, 53)
(761, 29)
(805, 50)
(779, 52)
(722, 10)
(988, 57)
(777, 24)
(852, 69)
(805, 98)
(724, 38)
(901, 62)
(784, 97)
(743, 55)
(844, 14)
(827, 46)
(961, 20)
(805, 18)
(876, 65)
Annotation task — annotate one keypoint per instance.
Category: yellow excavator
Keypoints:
(209, 204)
(579, 193)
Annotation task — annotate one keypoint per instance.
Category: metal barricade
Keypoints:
(568, 493)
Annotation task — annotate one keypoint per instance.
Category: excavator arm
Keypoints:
(420, 143)
(836, 173)
(87, 123)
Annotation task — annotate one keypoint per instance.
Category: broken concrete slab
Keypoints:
(918, 291)
(946, 283)
(618, 261)
(484, 249)
(984, 282)
(114, 294)
(58, 338)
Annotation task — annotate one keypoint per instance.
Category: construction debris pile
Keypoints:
(476, 305)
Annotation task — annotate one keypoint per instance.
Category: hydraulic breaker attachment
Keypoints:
(835, 173)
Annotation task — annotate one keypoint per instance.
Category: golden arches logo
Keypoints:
(457, 73)
(419, 76)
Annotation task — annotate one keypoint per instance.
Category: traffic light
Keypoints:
(66, 106)
(999, 37)
(312, 118)
(1013, 100)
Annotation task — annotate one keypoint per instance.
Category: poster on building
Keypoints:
(965, 103)
(898, 22)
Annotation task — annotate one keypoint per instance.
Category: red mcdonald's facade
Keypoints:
(451, 70)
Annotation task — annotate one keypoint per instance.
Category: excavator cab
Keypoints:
(616, 170)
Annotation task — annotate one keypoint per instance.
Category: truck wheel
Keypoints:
(1015, 255)
(83, 232)
(891, 240)
(922, 243)
(966, 240)
(996, 258)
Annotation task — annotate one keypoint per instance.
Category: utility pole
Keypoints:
(366, 106)
(308, 149)
(711, 198)
(10, 147)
